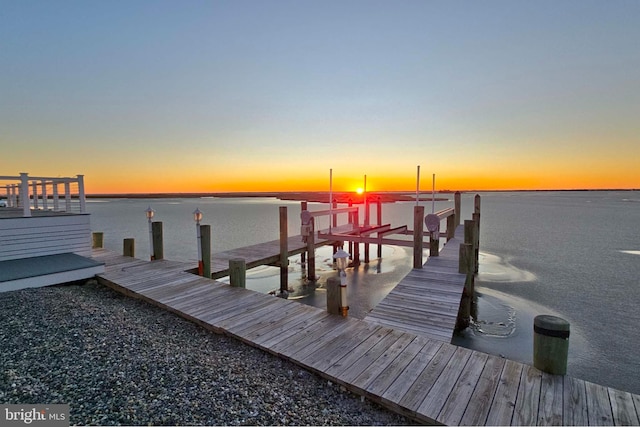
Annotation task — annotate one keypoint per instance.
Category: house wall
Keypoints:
(49, 235)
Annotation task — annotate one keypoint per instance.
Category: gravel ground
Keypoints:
(116, 360)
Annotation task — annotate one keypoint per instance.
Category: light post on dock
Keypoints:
(197, 216)
(150, 212)
(342, 259)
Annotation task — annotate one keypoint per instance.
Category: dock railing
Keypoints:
(44, 193)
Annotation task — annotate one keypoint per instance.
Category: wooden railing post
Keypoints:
(81, 195)
(284, 253)
(56, 201)
(238, 273)
(24, 195)
(451, 227)
(158, 246)
(205, 246)
(67, 195)
(379, 223)
(35, 194)
(129, 247)
(45, 199)
(418, 231)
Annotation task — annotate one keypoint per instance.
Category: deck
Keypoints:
(426, 379)
(426, 301)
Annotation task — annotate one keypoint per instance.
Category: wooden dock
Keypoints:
(267, 253)
(427, 300)
(426, 379)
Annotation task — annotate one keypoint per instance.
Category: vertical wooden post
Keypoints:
(457, 199)
(476, 218)
(129, 247)
(367, 222)
(471, 236)
(67, 196)
(158, 245)
(451, 227)
(356, 254)
(418, 231)
(24, 195)
(334, 204)
(97, 240)
(333, 295)
(353, 221)
(284, 251)
(56, 203)
(81, 195)
(45, 197)
(379, 223)
(238, 273)
(465, 266)
(205, 246)
(303, 255)
(550, 344)
(434, 243)
(311, 251)
(35, 195)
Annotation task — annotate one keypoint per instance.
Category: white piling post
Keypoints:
(44, 195)
(81, 195)
(24, 195)
(67, 195)
(56, 204)
(35, 194)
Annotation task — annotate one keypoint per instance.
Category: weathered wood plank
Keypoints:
(458, 400)
(338, 348)
(378, 385)
(526, 410)
(418, 389)
(480, 402)
(624, 412)
(358, 366)
(575, 402)
(504, 401)
(551, 404)
(437, 396)
(346, 362)
(381, 363)
(598, 405)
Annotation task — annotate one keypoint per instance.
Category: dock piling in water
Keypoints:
(550, 344)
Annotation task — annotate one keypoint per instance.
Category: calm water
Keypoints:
(572, 254)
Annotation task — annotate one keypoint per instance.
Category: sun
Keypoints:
(359, 190)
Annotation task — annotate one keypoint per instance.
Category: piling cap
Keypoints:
(551, 326)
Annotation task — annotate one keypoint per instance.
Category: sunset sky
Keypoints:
(191, 96)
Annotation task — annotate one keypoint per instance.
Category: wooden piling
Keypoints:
(97, 240)
(205, 246)
(476, 218)
(451, 227)
(238, 273)
(434, 243)
(379, 201)
(284, 251)
(129, 247)
(333, 295)
(465, 266)
(311, 251)
(158, 246)
(550, 344)
(418, 231)
(457, 199)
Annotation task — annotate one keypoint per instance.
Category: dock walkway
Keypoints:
(426, 300)
(428, 380)
(267, 253)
